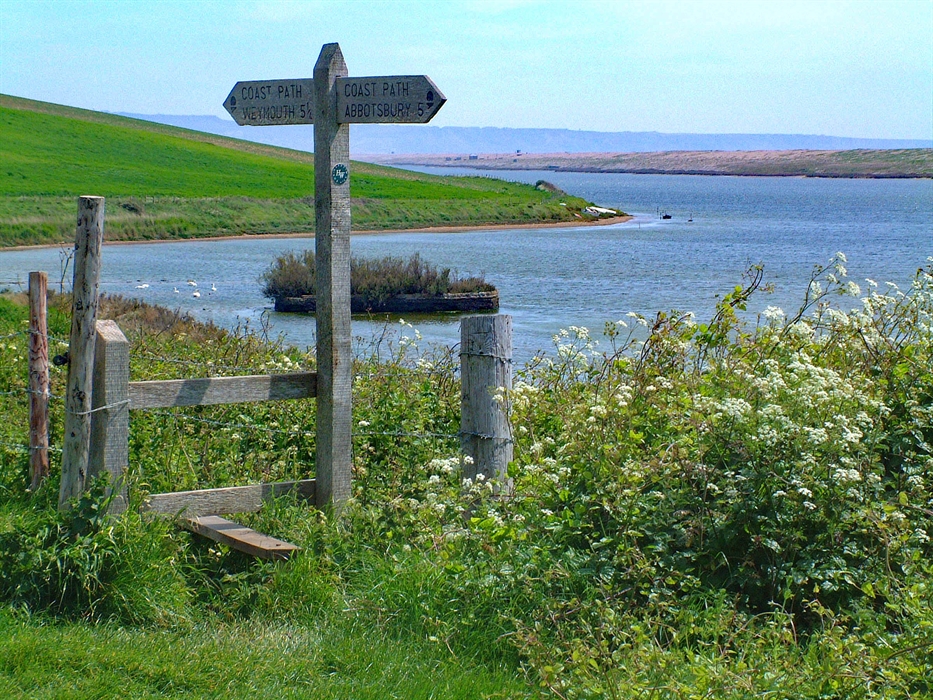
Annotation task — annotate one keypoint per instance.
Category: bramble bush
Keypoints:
(678, 485)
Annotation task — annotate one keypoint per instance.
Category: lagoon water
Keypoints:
(552, 278)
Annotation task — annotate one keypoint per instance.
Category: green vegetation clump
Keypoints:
(167, 183)
(726, 509)
(376, 280)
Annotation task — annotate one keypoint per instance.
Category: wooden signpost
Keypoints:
(332, 101)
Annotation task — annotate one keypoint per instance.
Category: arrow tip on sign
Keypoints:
(230, 103)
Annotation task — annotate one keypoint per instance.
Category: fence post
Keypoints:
(109, 449)
(332, 251)
(486, 380)
(85, 290)
(38, 379)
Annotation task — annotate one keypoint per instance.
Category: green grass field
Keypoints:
(162, 182)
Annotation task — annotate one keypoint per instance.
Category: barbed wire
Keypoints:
(28, 392)
(27, 449)
(232, 426)
(422, 435)
(32, 332)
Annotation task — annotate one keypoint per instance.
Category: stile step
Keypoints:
(240, 537)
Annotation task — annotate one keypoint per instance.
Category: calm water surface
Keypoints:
(552, 278)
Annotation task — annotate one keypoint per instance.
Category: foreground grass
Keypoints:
(710, 511)
(234, 660)
(162, 182)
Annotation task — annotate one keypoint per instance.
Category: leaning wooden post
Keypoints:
(486, 380)
(38, 379)
(110, 421)
(332, 250)
(85, 289)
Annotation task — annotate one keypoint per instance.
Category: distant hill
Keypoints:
(163, 182)
(383, 139)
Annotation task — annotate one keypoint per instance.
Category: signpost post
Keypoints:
(332, 101)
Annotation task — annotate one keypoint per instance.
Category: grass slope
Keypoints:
(165, 182)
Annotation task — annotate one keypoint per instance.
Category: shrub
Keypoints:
(82, 563)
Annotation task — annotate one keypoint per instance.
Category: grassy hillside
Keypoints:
(165, 182)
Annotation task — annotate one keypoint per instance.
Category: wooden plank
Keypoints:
(38, 379)
(85, 290)
(218, 390)
(235, 499)
(239, 537)
(110, 422)
(332, 247)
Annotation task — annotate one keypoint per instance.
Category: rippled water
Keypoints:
(555, 277)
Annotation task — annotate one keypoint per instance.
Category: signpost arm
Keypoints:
(332, 247)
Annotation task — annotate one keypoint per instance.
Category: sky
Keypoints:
(856, 68)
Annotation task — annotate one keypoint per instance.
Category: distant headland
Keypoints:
(856, 163)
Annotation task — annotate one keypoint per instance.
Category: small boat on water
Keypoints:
(663, 215)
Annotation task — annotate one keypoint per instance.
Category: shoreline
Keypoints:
(310, 234)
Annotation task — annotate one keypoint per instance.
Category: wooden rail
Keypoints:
(234, 499)
(221, 390)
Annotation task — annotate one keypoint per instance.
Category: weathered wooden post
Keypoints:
(332, 101)
(332, 253)
(38, 379)
(486, 380)
(110, 421)
(85, 291)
